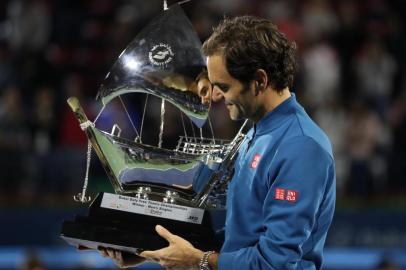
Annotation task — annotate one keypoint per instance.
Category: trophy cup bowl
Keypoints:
(163, 60)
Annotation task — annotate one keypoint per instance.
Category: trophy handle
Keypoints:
(224, 174)
(77, 109)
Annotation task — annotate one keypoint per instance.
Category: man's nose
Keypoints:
(217, 95)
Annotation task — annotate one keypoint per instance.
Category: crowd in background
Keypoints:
(351, 80)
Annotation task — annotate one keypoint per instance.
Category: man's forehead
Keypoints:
(216, 68)
(215, 60)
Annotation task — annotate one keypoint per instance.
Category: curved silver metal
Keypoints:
(170, 196)
(143, 193)
(163, 60)
(131, 166)
(80, 198)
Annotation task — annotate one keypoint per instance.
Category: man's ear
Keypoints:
(260, 80)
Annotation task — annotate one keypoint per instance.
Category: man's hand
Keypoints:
(121, 259)
(180, 254)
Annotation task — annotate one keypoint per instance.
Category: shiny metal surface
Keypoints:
(163, 60)
(146, 171)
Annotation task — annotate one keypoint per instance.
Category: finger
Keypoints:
(102, 252)
(147, 254)
(82, 248)
(118, 255)
(164, 233)
(151, 255)
(166, 265)
(110, 252)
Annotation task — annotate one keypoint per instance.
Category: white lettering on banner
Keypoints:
(152, 208)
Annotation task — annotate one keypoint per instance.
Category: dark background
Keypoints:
(351, 81)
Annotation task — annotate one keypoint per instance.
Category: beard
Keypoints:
(237, 110)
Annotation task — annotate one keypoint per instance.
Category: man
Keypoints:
(280, 202)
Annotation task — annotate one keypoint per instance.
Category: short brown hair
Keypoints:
(250, 43)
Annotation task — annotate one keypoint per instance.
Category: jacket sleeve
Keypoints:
(300, 169)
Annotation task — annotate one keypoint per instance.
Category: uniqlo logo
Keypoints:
(292, 196)
(286, 195)
(255, 161)
(280, 194)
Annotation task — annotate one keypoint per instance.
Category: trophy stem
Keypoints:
(161, 128)
(216, 181)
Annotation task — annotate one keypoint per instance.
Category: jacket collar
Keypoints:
(277, 116)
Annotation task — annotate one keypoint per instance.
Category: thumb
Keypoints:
(80, 247)
(164, 233)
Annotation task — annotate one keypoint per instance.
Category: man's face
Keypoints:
(238, 98)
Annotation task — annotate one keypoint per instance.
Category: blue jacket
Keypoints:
(280, 202)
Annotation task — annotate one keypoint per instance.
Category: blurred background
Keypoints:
(351, 81)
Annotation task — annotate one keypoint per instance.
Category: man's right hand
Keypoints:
(121, 259)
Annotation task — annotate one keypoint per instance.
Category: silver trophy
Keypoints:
(164, 61)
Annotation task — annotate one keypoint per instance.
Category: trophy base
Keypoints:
(128, 224)
(95, 245)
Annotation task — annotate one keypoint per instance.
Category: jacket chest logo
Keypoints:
(286, 195)
(255, 161)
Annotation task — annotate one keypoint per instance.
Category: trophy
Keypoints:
(163, 60)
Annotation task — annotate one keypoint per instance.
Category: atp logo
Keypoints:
(161, 54)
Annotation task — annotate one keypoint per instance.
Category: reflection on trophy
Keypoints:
(165, 61)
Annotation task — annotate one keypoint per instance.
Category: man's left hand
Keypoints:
(179, 255)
